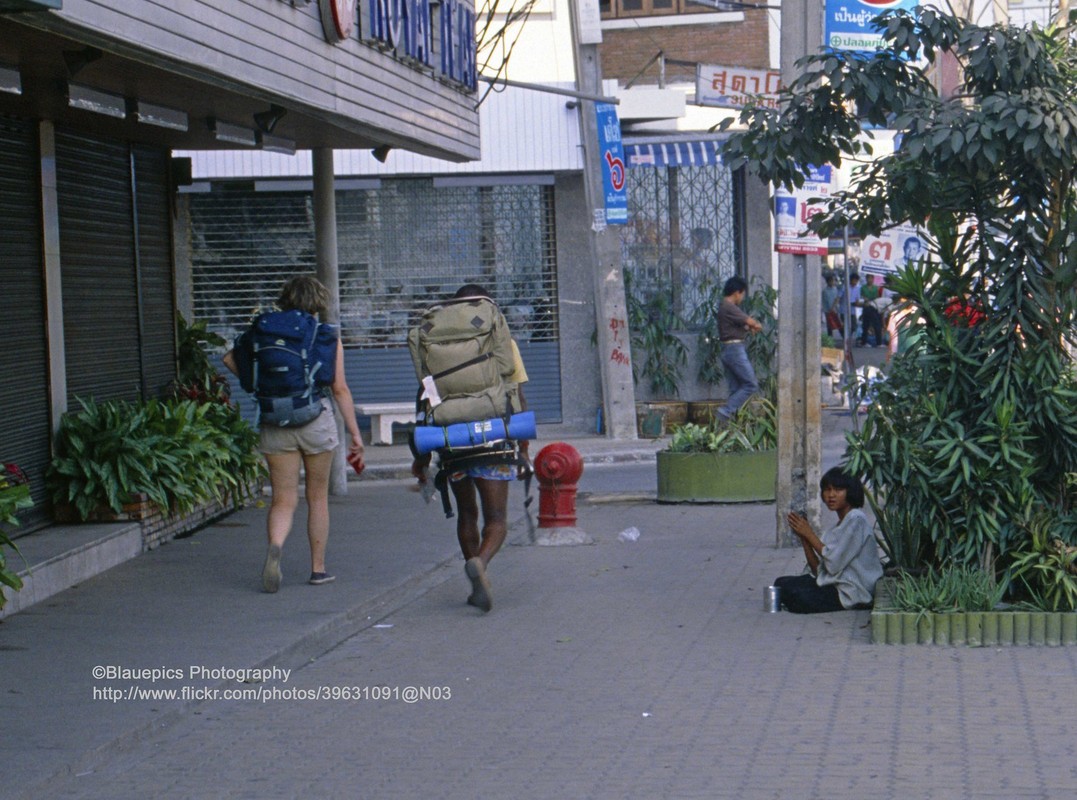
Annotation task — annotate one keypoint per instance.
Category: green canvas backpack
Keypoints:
(462, 352)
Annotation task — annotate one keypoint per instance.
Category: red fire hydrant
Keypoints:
(558, 467)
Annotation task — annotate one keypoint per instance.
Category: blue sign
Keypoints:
(613, 164)
(848, 22)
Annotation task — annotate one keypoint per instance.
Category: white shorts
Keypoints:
(317, 436)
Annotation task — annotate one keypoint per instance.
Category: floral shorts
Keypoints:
(490, 472)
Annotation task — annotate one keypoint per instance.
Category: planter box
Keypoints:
(157, 527)
(716, 478)
(701, 412)
(972, 628)
(655, 418)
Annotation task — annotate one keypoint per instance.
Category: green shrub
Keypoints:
(179, 453)
(955, 588)
(753, 428)
(1043, 574)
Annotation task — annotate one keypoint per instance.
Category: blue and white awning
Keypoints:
(672, 154)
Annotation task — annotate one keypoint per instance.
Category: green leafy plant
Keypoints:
(196, 377)
(179, 453)
(761, 304)
(651, 326)
(973, 426)
(955, 588)
(14, 496)
(752, 429)
(1044, 574)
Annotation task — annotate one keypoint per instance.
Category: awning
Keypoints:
(672, 154)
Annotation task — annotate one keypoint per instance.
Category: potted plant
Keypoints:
(734, 462)
(175, 454)
(658, 356)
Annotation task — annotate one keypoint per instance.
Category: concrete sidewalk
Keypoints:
(616, 671)
(72, 664)
(197, 601)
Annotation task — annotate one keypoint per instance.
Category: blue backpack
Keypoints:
(286, 359)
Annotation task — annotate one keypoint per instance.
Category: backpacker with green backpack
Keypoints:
(463, 356)
(462, 352)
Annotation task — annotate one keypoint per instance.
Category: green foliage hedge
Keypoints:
(180, 453)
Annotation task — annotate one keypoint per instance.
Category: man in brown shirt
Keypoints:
(734, 325)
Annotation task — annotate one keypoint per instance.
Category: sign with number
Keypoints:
(792, 210)
(613, 164)
(893, 250)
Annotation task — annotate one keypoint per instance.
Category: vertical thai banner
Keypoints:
(792, 212)
(848, 22)
(613, 164)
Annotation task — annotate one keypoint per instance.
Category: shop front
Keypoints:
(94, 99)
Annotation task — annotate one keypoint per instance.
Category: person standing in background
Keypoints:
(734, 326)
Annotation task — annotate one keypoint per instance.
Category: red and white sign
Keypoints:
(792, 210)
(338, 19)
(735, 87)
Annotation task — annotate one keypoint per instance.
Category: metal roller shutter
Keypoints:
(153, 196)
(401, 247)
(100, 297)
(24, 425)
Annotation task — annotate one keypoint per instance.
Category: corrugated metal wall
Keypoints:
(102, 273)
(24, 398)
(100, 290)
(401, 247)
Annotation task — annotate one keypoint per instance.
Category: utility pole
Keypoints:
(799, 287)
(611, 314)
(326, 260)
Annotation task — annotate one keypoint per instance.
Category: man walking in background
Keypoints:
(734, 326)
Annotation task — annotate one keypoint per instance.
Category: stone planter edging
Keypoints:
(969, 628)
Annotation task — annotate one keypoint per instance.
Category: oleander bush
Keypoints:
(973, 432)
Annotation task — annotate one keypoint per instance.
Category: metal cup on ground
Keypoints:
(772, 599)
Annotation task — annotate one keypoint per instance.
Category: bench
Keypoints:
(382, 416)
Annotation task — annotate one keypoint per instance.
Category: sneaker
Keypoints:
(480, 585)
(271, 574)
(318, 578)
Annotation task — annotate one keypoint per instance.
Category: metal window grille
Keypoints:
(401, 247)
(682, 236)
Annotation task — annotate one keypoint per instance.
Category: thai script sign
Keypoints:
(735, 87)
(848, 22)
(613, 163)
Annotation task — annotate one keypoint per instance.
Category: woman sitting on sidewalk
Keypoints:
(844, 563)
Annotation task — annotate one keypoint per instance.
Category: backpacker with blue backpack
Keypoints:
(286, 359)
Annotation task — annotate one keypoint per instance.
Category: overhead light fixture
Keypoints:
(87, 99)
(267, 120)
(276, 144)
(76, 60)
(10, 80)
(236, 134)
(162, 117)
(381, 152)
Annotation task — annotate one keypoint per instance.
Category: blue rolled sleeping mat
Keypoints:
(428, 438)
